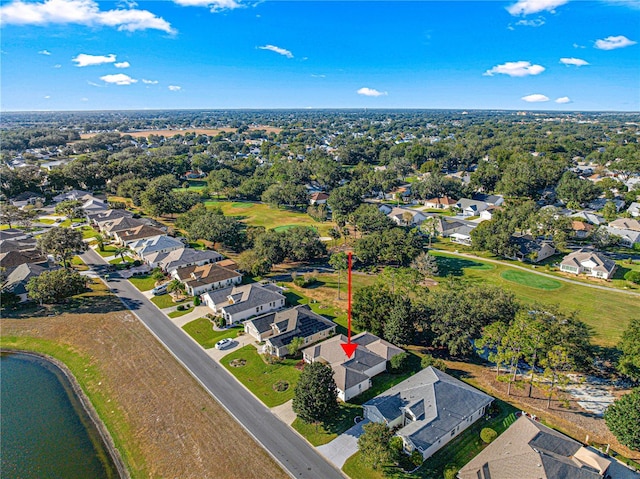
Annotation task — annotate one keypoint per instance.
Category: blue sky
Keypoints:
(520, 54)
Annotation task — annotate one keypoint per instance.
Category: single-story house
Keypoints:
(400, 215)
(94, 205)
(581, 229)
(588, 216)
(592, 263)
(493, 200)
(10, 260)
(469, 207)
(530, 248)
(28, 244)
(208, 277)
(72, 195)
(530, 450)
(181, 257)
(353, 375)
(14, 234)
(120, 223)
(319, 198)
(600, 203)
(626, 224)
(402, 192)
(429, 409)
(458, 231)
(17, 280)
(440, 203)
(634, 209)
(155, 244)
(229, 264)
(238, 303)
(278, 328)
(130, 235)
(488, 213)
(627, 237)
(101, 217)
(27, 198)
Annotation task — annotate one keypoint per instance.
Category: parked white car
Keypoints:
(224, 343)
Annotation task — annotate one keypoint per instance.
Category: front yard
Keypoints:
(266, 381)
(164, 301)
(324, 433)
(143, 283)
(202, 331)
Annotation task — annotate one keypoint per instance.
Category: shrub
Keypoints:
(220, 321)
(197, 301)
(399, 363)
(488, 435)
(157, 274)
(450, 471)
(137, 262)
(396, 444)
(437, 363)
(416, 458)
(180, 307)
(305, 281)
(633, 276)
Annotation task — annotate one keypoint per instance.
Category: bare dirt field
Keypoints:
(573, 420)
(161, 420)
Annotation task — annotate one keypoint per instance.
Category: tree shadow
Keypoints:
(448, 266)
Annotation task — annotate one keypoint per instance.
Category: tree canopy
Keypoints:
(316, 395)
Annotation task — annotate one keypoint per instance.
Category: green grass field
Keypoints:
(606, 312)
(108, 250)
(325, 433)
(143, 283)
(202, 331)
(163, 301)
(258, 214)
(194, 185)
(531, 280)
(260, 377)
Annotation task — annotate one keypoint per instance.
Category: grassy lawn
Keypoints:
(44, 221)
(163, 301)
(202, 331)
(108, 250)
(194, 185)
(324, 433)
(258, 214)
(143, 283)
(531, 280)
(177, 314)
(260, 377)
(119, 260)
(606, 312)
(457, 453)
(78, 264)
(88, 232)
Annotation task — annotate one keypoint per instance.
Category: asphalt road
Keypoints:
(292, 452)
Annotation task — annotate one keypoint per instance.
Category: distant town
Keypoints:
(495, 269)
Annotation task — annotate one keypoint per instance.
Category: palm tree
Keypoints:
(120, 251)
(175, 286)
(100, 240)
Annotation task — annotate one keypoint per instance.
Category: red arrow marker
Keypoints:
(349, 347)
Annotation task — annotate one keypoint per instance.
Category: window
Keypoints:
(453, 433)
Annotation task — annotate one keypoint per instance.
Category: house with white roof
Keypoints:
(400, 216)
(238, 303)
(428, 410)
(634, 209)
(169, 261)
(155, 244)
(353, 375)
(469, 207)
(588, 262)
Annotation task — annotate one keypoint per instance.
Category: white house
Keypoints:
(181, 257)
(400, 215)
(440, 203)
(238, 303)
(634, 209)
(155, 244)
(590, 262)
(353, 375)
(208, 277)
(469, 207)
(429, 409)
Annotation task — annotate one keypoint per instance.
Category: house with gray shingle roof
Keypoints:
(530, 450)
(429, 409)
(592, 263)
(156, 244)
(279, 328)
(16, 282)
(238, 303)
(182, 257)
(353, 375)
(208, 277)
(634, 209)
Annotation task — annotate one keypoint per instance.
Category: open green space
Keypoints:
(323, 433)
(258, 214)
(119, 260)
(194, 185)
(606, 312)
(455, 454)
(202, 331)
(163, 301)
(531, 280)
(143, 283)
(177, 314)
(260, 377)
(108, 250)
(88, 232)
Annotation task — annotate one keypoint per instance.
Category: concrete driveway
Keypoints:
(344, 446)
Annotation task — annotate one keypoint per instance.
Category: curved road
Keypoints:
(529, 270)
(291, 451)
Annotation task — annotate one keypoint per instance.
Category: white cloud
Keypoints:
(563, 99)
(149, 82)
(538, 22)
(122, 65)
(47, 97)
(84, 60)
(611, 43)
(516, 69)
(278, 50)
(44, 52)
(535, 98)
(371, 92)
(84, 99)
(57, 65)
(526, 7)
(574, 61)
(575, 45)
(314, 75)
(81, 12)
(175, 88)
(94, 84)
(213, 5)
(118, 79)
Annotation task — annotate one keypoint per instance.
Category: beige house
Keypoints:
(132, 235)
(279, 328)
(443, 203)
(529, 450)
(207, 277)
(242, 302)
(591, 263)
(353, 375)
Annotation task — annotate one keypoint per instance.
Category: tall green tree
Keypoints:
(55, 286)
(339, 261)
(623, 419)
(629, 362)
(62, 243)
(315, 397)
(375, 444)
(426, 264)
(70, 208)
